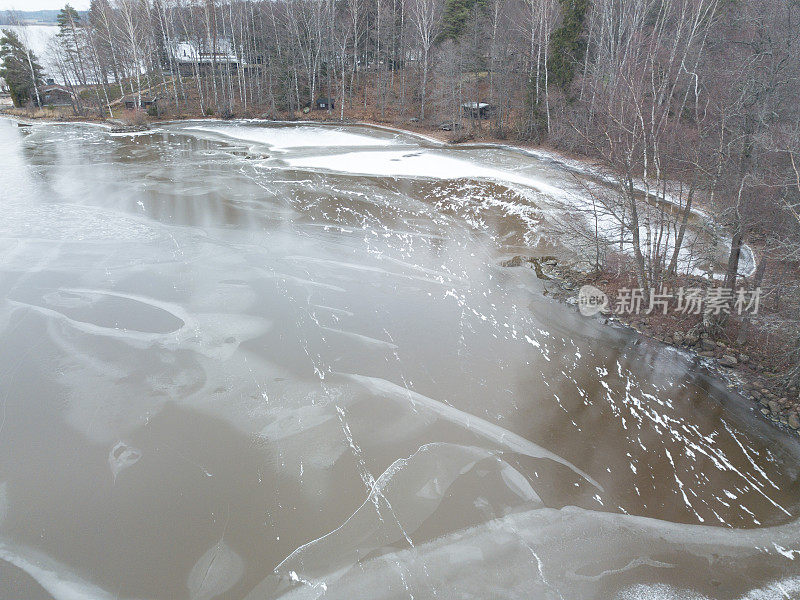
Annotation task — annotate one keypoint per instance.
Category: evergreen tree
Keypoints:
(71, 35)
(456, 17)
(567, 46)
(20, 68)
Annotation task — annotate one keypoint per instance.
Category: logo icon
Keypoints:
(591, 300)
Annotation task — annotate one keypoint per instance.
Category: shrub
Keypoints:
(134, 118)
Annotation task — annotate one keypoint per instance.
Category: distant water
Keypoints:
(38, 38)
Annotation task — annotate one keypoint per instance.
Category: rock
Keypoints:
(130, 128)
(707, 354)
(721, 346)
(708, 345)
(765, 411)
(677, 337)
(728, 361)
(743, 358)
(764, 402)
(691, 339)
(756, 394)
(793, 421)
(774, 408)
(513, 262)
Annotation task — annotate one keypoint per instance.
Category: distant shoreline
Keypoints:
(32, 18)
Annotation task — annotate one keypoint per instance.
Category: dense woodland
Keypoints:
(690, 101)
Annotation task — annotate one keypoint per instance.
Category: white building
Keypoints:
(191, 54)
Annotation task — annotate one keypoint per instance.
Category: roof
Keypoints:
(475, 105)
(55, 88)
(133, 97)
(206, 51)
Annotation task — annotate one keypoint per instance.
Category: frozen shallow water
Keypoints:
(256, 362)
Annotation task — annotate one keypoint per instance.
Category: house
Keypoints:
(56, 95)
(202, 56)
(133, 101)
(325, 104)
(477, 110)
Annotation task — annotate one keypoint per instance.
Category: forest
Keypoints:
(684, 108)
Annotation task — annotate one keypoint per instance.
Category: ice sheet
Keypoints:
(281, 138)
(52, 575)
(215, 572)
(489, 431)
(402, 498)
(564, 544)
(417, 163)
(177, 317)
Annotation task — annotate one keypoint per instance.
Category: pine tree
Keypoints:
(567, 46)
(456, 16)
(20, 68)
(71, 36)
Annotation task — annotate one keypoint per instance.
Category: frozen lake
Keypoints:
(38, 38)
(255, 362)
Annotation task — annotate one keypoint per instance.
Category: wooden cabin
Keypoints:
(477, 110)
(146, 102)
(325, 104)
(56, 95)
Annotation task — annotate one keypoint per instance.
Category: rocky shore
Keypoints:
(767, 391)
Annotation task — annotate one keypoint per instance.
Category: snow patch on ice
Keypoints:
(430, 164)
(280, 138)
(787, 589)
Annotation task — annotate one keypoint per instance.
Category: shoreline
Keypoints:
(774, 409)
(757, 392)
